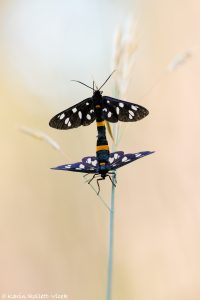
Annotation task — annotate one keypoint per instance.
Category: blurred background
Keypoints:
(53, 227)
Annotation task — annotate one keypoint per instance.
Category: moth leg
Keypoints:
(92, 178)
(99, 185)
(114, 183)
(114, 176)
(86, 174)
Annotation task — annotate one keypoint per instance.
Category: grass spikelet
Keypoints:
(124, 58)
(124, 50)
(179, 60)
(42, 136)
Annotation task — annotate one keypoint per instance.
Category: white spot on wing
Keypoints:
(91, 111)
(117, 110)
(130, 117)
(105, 109)
(111, 159)
(131, 113)
(108, 101)
(74, 109)
(67, 166)
(134, 107)
(121, 104)
(81, 166)
(94, 163)
(61, 116)
(87, 103)
(88, 117)
(125, 158)
(109, 114)
(138, 154)
(89, 160)
(116, 155)
(80, 114)
(69, 124)
(66, 121)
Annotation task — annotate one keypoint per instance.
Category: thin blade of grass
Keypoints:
(110, 131)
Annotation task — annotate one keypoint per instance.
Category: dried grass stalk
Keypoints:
(125, 46)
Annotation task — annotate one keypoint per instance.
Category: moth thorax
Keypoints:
(97, 99)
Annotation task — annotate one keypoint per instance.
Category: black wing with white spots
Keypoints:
(90, 161)
(128, 158)
(115, 156)
(115, 110)
(77, 167)
(90, 164)
(75, 116)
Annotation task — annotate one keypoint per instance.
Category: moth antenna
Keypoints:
(83, 84)
(93, 86)
(107, 79)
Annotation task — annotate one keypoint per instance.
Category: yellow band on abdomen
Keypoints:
(102, 147)
(102, 164)
(100, 123)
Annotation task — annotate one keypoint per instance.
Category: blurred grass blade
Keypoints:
(110, 131)
(40, 136)
(179, 60)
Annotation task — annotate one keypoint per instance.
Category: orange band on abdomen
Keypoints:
(98, 106)
(100, 123)
(102, 147)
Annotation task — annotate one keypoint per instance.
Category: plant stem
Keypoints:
(110, 252)
(111, 228)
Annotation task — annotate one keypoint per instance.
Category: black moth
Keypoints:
(90, 165)
(83, 113)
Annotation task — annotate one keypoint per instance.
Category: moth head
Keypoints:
(97, 93)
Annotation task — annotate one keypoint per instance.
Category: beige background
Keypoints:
(53, 228)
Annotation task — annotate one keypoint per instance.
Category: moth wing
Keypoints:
(90, 161)
(128, 158)
(115, 110)
(115, 156)
(76, 167)
(75, 116)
